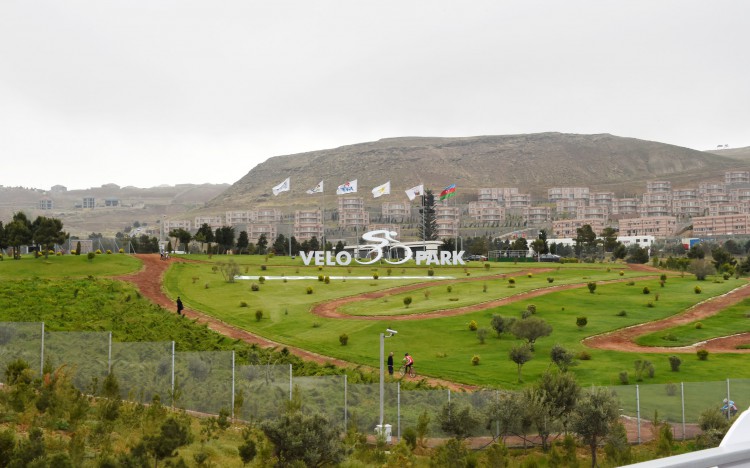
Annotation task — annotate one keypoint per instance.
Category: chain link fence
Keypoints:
(209, 382)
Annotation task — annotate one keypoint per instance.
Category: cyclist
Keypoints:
(408, 363)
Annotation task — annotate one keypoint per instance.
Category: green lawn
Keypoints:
(443, 347)
(70, 266)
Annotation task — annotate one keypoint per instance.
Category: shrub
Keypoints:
(320, 278)
(205, 286)
(254, 287)
(674, 363)
(309, 290)
(484, 287)
(98, 251)
(663, 277)
(320, 268)
(482, 334)
(122, 251)
(261, 279)
(584, 356)
(375, 276)
(410, 437)
(343, 339)
(646, 290)
(475, 360)
(109, 252)
(702, 354)
(531, 308)
(263, 267)
(622, 313)
(525, 314)
(407, 301)
(529, 275)
(622, 272)
(243, 304)
(550, 279)
(511, 281)
(697, 289)
(316, 324)
(449, 289)
(473, 325)
(389, 270)
(592, 286)
(258, 315)
(430, 272)
(486, 266)
(581, 322)
(661, 283)
(630, 283)
(656, 296)
(650, 304)
(698, 326)
(624, 377)
(90, 256)
(426, 294)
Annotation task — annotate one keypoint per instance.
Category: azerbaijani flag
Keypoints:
(448, 192)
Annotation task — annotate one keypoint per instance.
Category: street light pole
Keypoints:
(382, 377)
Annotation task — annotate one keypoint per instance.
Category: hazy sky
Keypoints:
(149, 92)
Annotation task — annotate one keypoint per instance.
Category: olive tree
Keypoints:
(594, 416)
(530, 329)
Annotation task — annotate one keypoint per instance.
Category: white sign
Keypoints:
(382, 239)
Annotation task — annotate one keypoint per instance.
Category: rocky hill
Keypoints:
(532, 162)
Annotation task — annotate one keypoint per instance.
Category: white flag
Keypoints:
(348, 187)
(415, 192)
(380, 190)
(317, 189)
(282, 187)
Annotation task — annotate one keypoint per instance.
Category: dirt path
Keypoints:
(623, 339)
(149, 280)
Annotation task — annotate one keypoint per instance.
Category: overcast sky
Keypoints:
(149, 92)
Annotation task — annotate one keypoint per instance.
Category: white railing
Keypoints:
(734, 451)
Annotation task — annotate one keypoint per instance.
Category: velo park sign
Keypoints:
(382, 241)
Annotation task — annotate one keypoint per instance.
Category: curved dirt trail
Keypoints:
(149, 280)
(623, 339)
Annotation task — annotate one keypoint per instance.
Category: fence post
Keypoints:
(172, 374)
(497, 423)
(109, 355)
(290, 382)
(638, 410)
(682, 397)
(346, 409)
(398, 409)
(449, 405)
(41, 363)
(232, 384)
(729, 398)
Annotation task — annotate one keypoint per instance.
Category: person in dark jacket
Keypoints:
(390, 364)
(179, 306)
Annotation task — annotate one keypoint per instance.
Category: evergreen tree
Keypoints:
(18, 233)
(427, 230)
(47, 232)
(243, 242)
(280, 245)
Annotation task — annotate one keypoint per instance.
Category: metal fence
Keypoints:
(208, 382)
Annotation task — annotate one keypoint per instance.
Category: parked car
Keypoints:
(476, 258)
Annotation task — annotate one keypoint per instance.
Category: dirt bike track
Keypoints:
(149, 281)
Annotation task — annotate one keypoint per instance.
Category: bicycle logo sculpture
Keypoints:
(383, 242)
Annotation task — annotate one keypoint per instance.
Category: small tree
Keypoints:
(581, 322)
(674, 363)
(501, 324)
(531, 329)
(407, 301)
(460, 422)
(482, 335)
(562, 358)
(592, 286)
(344, 339)
(520, 355)
(594, 416)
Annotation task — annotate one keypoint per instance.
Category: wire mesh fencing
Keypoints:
(211, 382)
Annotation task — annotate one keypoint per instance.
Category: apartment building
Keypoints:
(625, 206)
(518, 201)
(308, 224)
(45, 204)
(447, 220)
(729, 225)
(736, 177)
(657, 226)
(172, 224)
(569, 208)
(395, 210)
(352, 212)
(239, 217)
(535, 215)
(268, 215)
(255, 230)
(658, 186)
(567, 193)
(568, 227)
(496, 194)
(214, 222)
(486, 211)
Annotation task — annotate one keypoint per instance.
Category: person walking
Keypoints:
(179, 306)
(390, 364)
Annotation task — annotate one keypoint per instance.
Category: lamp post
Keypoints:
(383, 336)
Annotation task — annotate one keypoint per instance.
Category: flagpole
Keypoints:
(323, 211)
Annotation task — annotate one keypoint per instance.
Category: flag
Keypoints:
(384, 189)
(348, 187)
(415, 192)
(448, 192)
(317, 189)
(282, 187)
